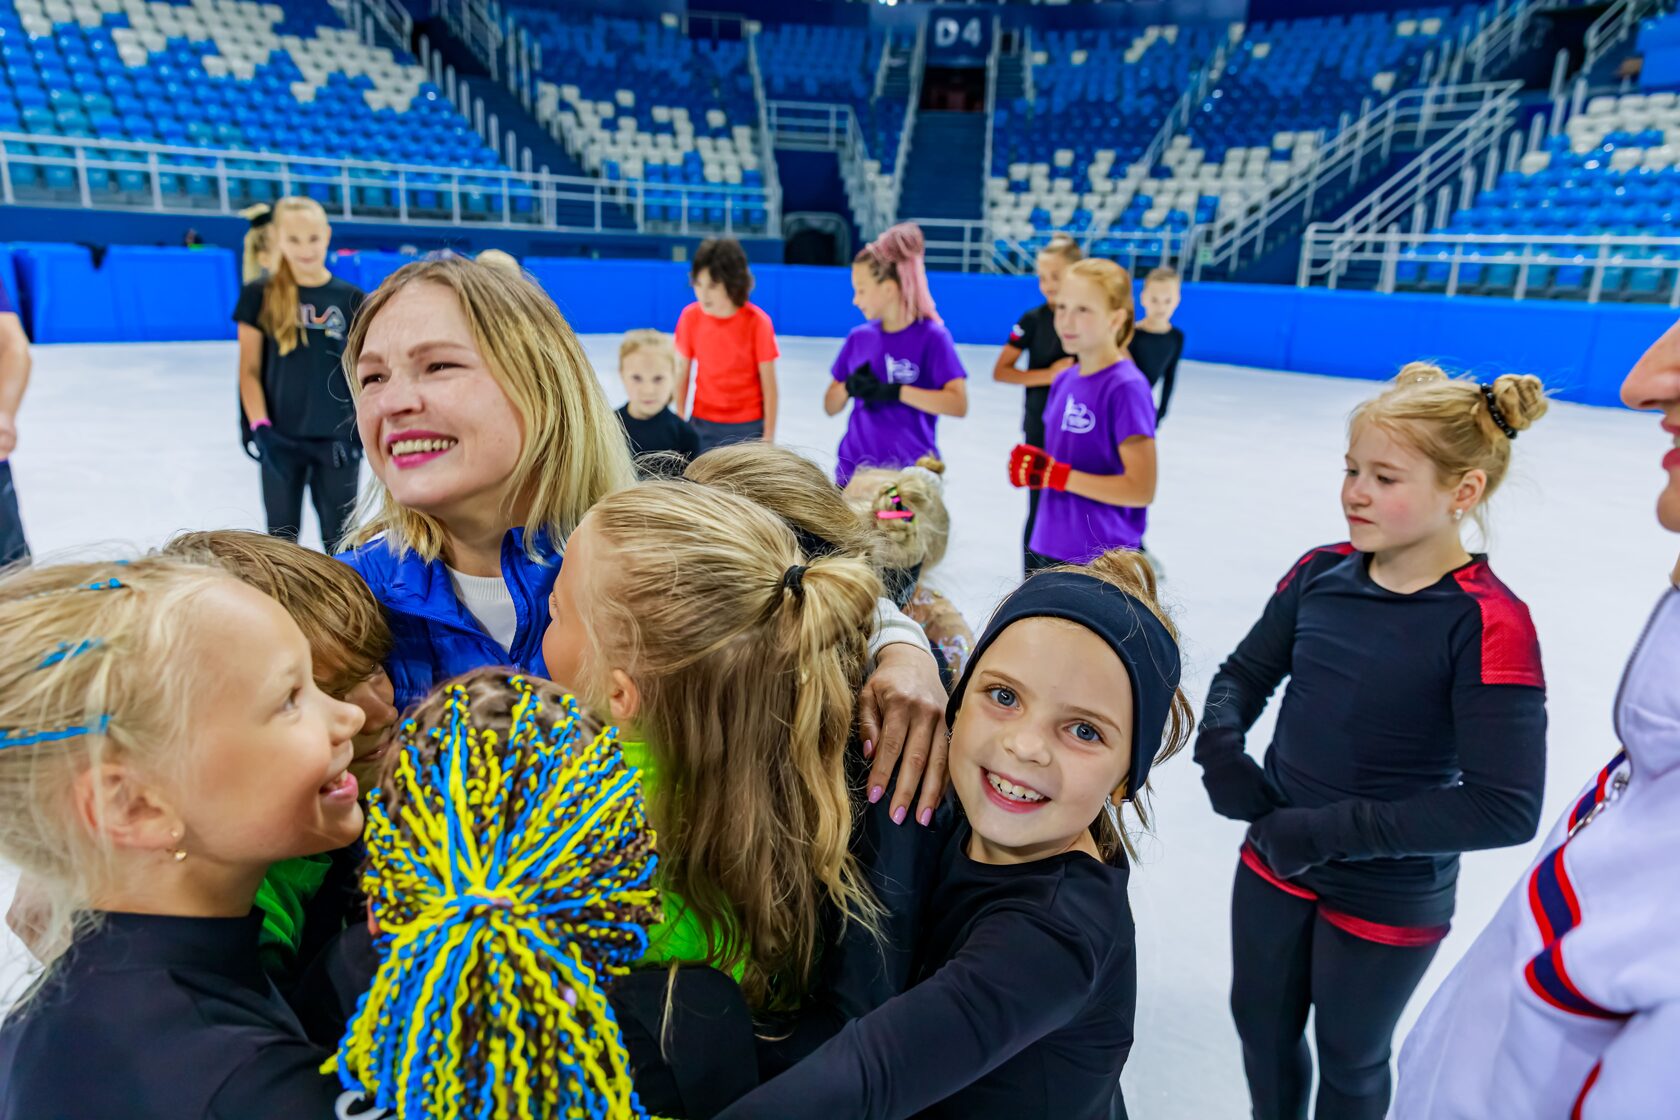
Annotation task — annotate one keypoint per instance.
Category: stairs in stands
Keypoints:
(943, 176)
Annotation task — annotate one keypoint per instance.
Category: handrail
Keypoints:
(992, 60)
(1326, 256)
(1611, 27)
(766, 146)
(918, 67)
(392, 16)
(826, 126)
(1499, 38)
(474, 25)
(1178, 117)
(1027, 85)
(356, 190)
(1463, 111)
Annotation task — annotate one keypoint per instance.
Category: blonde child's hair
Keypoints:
(1130, 571)
(574, 451)
(279, 314)
(348, 635)
(259, 242)
(1449, 422)
(657, 342)
(1116, 284)
(510, 870)
(497, 258)
(748, 655)
(791, 487)
(1064, 246)
(1163, 274)
(904, 542)
(96, 667)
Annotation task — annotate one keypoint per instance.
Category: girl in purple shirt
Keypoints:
(899, 369)
(1097, 467)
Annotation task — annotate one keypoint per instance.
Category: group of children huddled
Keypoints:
(560, 793)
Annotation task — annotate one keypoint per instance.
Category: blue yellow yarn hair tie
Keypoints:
(510, 871)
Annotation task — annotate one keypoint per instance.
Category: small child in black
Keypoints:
(647, 362)
(1034, 334)
(1157, 345)
(1026, 972)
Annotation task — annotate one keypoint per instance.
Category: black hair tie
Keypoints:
(1503, 424)
(794, 580)
(262, 219)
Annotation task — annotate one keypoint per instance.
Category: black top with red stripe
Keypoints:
(1415, 723)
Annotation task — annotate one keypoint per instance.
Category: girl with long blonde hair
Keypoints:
(297, 418)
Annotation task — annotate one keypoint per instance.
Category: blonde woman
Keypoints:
(297, 416)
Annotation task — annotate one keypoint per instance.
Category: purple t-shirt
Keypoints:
(891, 433)
(1086, 420)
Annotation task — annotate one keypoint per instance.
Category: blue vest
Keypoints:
(435, 636)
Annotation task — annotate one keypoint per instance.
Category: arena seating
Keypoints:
(218, 74)
(1614, 170)
(638, 100)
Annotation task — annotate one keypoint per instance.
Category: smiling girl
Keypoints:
(162, 744)
(299, 420)
(1026, 977)
(899, 369)
(1413, 729)
(1097, 465)
(489, 438)
(1569, 1002)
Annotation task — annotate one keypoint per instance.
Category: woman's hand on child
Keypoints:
(1033, 468)
(1286, 840)
(863, 385)
(901, 717)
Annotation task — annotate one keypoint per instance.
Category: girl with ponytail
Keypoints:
(510, 875)
(297, 415)
(900, 369)
(732, 659)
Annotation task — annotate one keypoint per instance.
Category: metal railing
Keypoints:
(1610, 28)
(1595, 267)
(823, 126)
(992, 58)
(1494, 44)
(918, 68)
(961, 245)
(1132, 248)
(766, 145)
(387, 15)
(1178, 117)
(1463, 117)
(115, 175)
(476, 26)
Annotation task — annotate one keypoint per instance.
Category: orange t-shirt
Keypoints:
(726, 385)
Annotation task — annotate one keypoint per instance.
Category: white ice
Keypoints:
(123, 445)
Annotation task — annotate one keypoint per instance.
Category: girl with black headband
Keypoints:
(1413, 729)
(1026, 972)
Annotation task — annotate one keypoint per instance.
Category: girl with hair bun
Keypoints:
(1413, 729)
(900, 369)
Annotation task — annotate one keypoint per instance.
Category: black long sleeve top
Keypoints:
(1026, 985)
(1414, 726)
(160, 1017)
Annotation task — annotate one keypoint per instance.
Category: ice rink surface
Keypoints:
(122, 445)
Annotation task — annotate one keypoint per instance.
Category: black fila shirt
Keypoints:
(307, 390)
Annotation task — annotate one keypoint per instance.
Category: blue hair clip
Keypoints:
(112, 584)
(64, 651)
(10, 738)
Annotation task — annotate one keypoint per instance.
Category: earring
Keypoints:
(179, 853)
(1458, 515)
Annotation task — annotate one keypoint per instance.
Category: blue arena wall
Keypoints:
(145, 294)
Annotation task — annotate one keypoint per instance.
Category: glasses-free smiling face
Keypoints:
(1654, 385)
(875, 298)
(648, 382)
(440, 432)
(1043, 738)
(270, 779)
(301, 238)
(1084, 320)
(1391, 494)
(377, 701)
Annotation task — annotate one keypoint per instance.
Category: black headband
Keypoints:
(262, 219)
(1499, 420)
(1131, 630)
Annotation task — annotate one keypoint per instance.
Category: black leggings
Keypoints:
(1287, 959)
(329, 468)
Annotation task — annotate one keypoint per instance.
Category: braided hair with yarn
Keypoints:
(510, 875)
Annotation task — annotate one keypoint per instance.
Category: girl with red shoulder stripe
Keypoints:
(1413, 729)
(1568, 1004)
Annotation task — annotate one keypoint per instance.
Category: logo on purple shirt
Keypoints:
(1078, 419)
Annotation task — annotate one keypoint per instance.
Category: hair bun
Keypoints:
(1521, 397)
(932, 464)
(900, 243)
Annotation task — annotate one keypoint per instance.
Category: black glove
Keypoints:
(863, 385)
(1288, 840)
(1237, 788)
(262, 444)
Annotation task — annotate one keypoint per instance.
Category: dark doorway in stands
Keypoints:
(954, 89)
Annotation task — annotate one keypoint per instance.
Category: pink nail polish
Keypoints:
(875, 793)
(898, 814)
(868, 749)
(925, 817)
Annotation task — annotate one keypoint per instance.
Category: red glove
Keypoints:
(1034, 469)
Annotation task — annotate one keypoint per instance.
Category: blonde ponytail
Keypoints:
(259, 240)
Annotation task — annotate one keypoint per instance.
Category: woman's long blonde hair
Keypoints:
(748, 656)
(574, 452)
(97, 666)
(279, 315)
